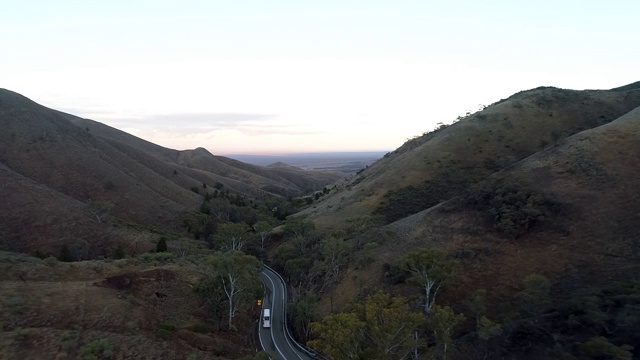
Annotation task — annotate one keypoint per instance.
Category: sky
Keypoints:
(276, 77)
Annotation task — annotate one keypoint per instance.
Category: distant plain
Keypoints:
(344, 162)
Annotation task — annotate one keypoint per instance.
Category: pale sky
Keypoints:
(258, 77)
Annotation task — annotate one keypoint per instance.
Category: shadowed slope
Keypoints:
(91, 167)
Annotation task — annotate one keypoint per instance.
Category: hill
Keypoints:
(534, 197)
(64, 176)
(438, 165)
(85, 209)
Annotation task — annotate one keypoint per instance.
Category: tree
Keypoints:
(237, 275)
(599, 347)
(213, 293)
(301, 313)
(442, 321)
(429, 270)
(534, 300)
(100, 209)
(231, 236)
(382, 327)
(65, 254)
(334, 254)
(262, 228)
(390, 326)
(162, 245)
(485, 328)
(339, 336)
(298, 227)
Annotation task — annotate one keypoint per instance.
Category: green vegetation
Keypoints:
(514, 209)
(600, 347)
(339, 336)
(165, 330)
(96, 350)
(430, 271)
(463, 298)
(68, 340)
(65, 254)
(232, 280)
(301, 313)
(202, 327)
(410, 200)
(162, 245)
(442, 321)
(262, 228)
(385, 327)
(231, 236)
(21, 335)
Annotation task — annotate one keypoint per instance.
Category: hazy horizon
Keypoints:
(314, 153)
(249, 77)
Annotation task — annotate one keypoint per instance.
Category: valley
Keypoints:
(343, 162)
(510, 233)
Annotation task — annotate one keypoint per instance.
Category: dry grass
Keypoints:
(54, 310)
(594, 173)
(70, 180)
(475, 147)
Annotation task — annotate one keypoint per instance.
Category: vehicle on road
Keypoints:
(266, 318)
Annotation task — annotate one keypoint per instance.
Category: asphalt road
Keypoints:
(276, 340)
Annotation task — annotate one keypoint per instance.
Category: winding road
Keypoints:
(277, 340)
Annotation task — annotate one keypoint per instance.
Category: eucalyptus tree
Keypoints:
(391, 327)
(231, 236)
(262, 228)
(340, 336)
(237, 275)
(430, 270)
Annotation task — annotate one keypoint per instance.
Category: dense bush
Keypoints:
(165, 330)
(162, 245)
(98, 349)
(513, 209)
(410, 200)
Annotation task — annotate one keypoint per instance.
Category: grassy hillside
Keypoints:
(528, 208)
(95, 177)
(534, 198)
(134, 308)
(110, 245)
(435, 166)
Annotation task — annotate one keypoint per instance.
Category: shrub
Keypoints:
(50, 261)
(119, 253)
(165, 330)
(201, 327)
(65, 254)
(513, 209)
(163, 257)
(68, 341)
(97, 349)
(14, 303)
(21, 335)
(162, 245)
(600, 347)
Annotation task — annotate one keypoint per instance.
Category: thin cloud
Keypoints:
(176, 125)
(208, 119)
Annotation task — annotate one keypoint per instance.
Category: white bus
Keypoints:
(266, 318)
